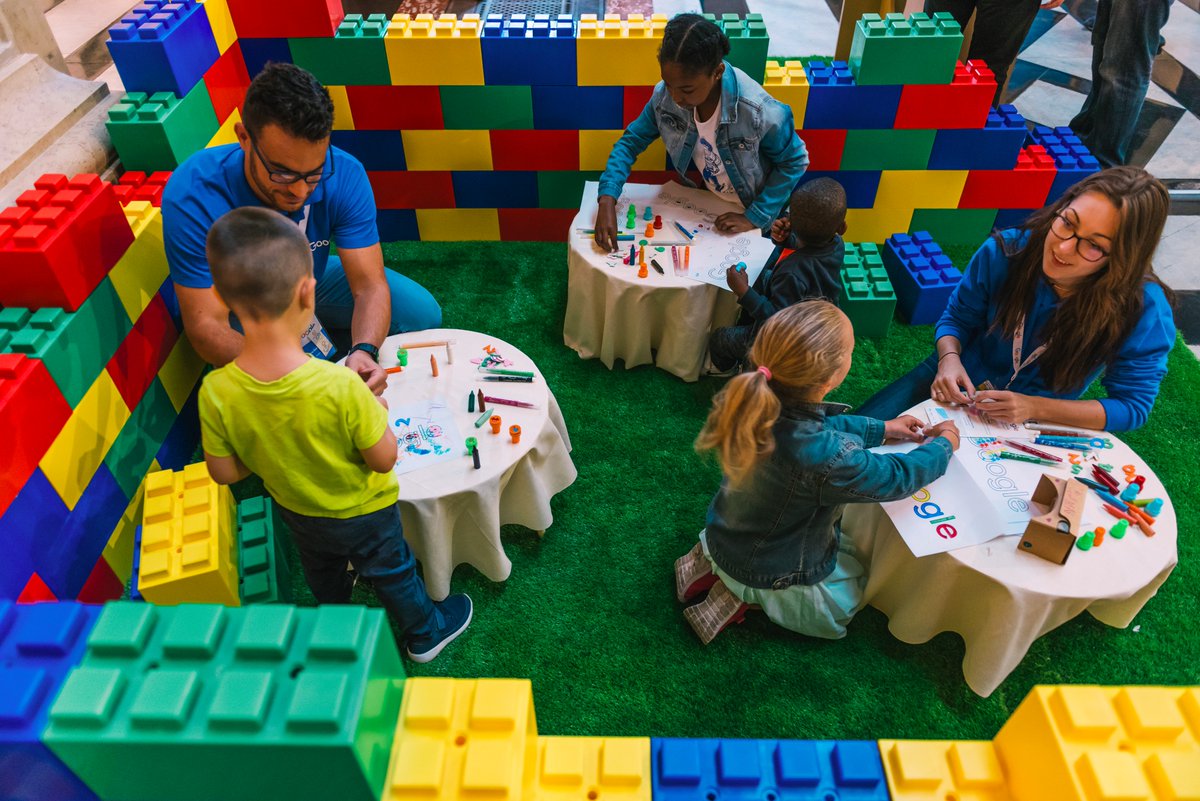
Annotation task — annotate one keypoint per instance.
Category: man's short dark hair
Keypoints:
(257, 257)
(818, 210)
(290, 97)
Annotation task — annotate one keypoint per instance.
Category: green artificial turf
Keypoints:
(589, 613)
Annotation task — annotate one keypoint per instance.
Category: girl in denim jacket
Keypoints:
(791, 462)
(713, 115)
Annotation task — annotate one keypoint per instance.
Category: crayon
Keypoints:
(470, 403)
(393, 370)
(475, 456)
(480, 400)
(483, 418)
(433, 365)
(657, 267)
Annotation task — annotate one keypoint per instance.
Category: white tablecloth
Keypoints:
(452, 512)
(1000, 600)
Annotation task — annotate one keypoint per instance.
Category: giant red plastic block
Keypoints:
(636, 98)
(412, 190)
(143, 353)
(59, 241)
(535, 150)
(136, 185)
(254, 19)
(35, 591)
(102, 585)
(1024, 187)
(396, 108)
(824, 148)
(962, 103)
(32, 413)
(227, 81)
(535, 225)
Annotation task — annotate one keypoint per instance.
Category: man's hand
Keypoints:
(737, 281)
(905, 427)
(781, 229)
(731, 222)
(369, 370)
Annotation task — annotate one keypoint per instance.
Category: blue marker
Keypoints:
(684, 231)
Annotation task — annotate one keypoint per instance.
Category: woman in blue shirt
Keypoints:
(1043, 310)
(708, 112)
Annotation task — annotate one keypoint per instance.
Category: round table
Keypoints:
(663, 320)
(1000, 600)
(452, 512)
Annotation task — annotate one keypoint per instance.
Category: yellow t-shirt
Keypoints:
(302, 435)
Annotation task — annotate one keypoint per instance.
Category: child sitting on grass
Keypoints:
(791, 462)
(313, 431)
(806, 265)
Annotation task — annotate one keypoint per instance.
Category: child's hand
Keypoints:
(382, 401)
(948, 430)
(904, 427)
(606, 224)
(731, 222)
(737, 281)
(781, 229)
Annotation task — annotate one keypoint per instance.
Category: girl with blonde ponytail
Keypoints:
(790, 463)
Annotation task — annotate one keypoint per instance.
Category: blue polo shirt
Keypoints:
(213, 181)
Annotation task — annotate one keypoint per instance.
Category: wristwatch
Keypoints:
(367, 348)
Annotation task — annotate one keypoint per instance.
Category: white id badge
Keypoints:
(315, 341)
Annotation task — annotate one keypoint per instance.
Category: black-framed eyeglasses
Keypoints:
(286, 177)
(1063, 228)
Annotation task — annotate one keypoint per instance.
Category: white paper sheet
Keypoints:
(426, 434)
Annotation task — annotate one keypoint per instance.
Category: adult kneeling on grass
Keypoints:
(1043, 310)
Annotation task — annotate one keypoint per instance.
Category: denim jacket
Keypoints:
(782, 527)
(756, 138)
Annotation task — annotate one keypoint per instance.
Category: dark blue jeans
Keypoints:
(374, 544)
(1125, 41)
(903, 393)
(413, 307)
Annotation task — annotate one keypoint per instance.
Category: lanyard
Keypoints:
(1018, 342)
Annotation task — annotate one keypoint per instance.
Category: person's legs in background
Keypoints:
(413, 307)
(728, 346)
(1125, 40)
(1000, 28)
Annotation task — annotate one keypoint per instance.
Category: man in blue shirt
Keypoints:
(283, 161)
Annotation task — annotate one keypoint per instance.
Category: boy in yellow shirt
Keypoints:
(313, 431)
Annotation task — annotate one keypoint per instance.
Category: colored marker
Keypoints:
(508, 402)
(1041, 454)
(1021, 457)
(475, 456)
(499, 371)
(1068, 446)
(592, 232)
(1057, 430)
(1087, 482)
(684, 231)
(687, 256)
(657, 267)
(483, 418)
(516, 379)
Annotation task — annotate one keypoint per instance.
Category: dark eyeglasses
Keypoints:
(279, 176)
(1064, 229)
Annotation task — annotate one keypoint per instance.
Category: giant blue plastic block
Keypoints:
(993, 147)
(578, 108)
(377, 150)
(39, 644)
(37, 509)
(257, 52)
(1071, 156)
(69, 554)
(163, 46)
(1012, 218)
(767, 770)
(179, 448)
(922, 276)
(495, 190)
(860, 185)
(134, 593)
(529, 51)
(397, 225)
(836, 101)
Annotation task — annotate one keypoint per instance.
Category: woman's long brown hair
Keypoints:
(1090, 324)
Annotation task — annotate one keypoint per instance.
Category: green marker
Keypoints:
(483, 418)
(500, 371)
(1020, 457)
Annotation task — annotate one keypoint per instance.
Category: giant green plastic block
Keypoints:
(74, 346)
(955, 226)
(262, 557)
(894, 50)
(495, 108)
(141, 437)
(867, 295)
(748, 44)
(562, 190)
(354, 56)
(200, 702)
(887, 150)
(158, 131)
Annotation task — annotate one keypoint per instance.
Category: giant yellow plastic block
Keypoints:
(595, 147)
(788, 83)
(180, 372)
(922, 189)
(458, 225)
(876, 225)
(343, 117)
(578, 768)
(1085, 743)
(925, 770)
(84, 441)
(463, 739)
(140, 273)
(618, 52)
(447, 150)
(226, 135)
(222, 23)
(119, 550)
(189, 539)
(423, 51)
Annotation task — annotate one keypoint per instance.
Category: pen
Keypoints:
(1041, 454)
(507, 402)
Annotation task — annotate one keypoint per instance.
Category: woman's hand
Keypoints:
(948, 430)
(606, 224)
(731, 222)
(952, 384)
(904, 427)
(1005, 407)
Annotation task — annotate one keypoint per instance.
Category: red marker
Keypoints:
(507, 402)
